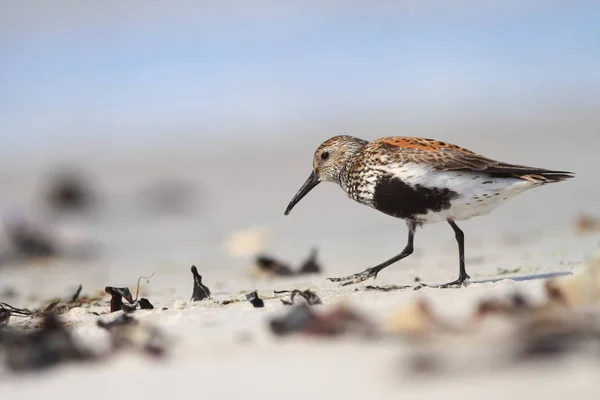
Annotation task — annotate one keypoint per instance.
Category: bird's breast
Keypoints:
(401, 199)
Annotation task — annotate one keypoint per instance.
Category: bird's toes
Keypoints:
(353, 279)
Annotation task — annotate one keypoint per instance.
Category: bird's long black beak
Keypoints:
(311, 182)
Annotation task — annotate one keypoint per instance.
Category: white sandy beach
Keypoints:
(228, 351)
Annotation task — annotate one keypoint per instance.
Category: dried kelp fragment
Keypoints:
(201, 291)
(256, 301)
(117, 295)
(60, 306)
(14, 310)
(145, 304)
(311, 297)
(6, 311)
(387, 288)
(310, 265)
(142, 303)
(137, 288)
(76, 294)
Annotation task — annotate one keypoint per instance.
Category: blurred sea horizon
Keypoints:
(88, 80)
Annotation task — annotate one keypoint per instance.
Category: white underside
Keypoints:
(475, 197)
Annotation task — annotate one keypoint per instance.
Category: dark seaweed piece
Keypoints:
(308, 295)
(256, 301)
(76, 294)
(123, 319)
(14, 310)
(310, 265)
(201, 291)
(388, 288)
(51, 306)
(116, 301)
(145, 304)
(273, 266)
(45, 347)
(6, 311)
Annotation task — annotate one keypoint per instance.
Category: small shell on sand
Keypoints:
(179, 304)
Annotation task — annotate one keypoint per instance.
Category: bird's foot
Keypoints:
(454, 284)
(356, 278)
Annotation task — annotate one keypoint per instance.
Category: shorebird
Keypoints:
(421, 181)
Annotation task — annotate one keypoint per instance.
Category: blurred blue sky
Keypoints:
(111, 73)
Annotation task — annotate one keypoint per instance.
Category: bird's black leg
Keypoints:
(372, 272)
(462, 274)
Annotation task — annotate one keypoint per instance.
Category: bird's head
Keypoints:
(328, 161)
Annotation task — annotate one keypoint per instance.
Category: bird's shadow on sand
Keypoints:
(523, 278)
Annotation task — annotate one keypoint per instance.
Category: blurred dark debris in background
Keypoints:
(171, 197)
(270, 267)
(41, 348)
(126, 333)
(587, 224)
(69, 191)
(27, 241)
(53, 343)
(33, 236)
(340, 320)
(310, 265)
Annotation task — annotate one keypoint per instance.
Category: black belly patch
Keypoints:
(398, 199)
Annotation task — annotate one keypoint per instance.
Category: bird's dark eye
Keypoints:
(324, 155)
